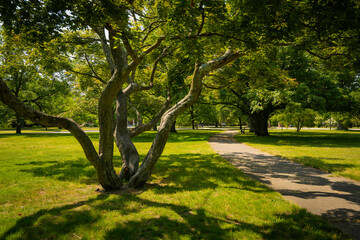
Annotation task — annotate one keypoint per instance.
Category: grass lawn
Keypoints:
(337, 152)
(48, 191)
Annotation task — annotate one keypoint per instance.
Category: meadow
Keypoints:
(50, 191)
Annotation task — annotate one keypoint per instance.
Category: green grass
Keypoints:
(337, 152)
(48, 191)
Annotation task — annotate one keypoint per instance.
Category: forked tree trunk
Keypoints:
(129, 154)
(103, 161)
(108, 178)
(168, 119)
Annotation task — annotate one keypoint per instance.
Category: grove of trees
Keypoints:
(108, 61)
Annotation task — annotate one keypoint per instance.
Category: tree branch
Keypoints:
(100, 32)
(146, 127)
(93, 71)
(41, 118)
(202, 18)
(170, 115)
(87, 74)
(128, 48)
(152, 47)
(135, 87)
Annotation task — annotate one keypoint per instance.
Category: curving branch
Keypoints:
(158, 145)
(152, 47)
(26, 111)
(135, 87)
(129, 49)
(93, 71)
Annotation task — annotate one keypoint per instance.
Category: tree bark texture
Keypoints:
(19, 122)
(260, 123)
(129, 154)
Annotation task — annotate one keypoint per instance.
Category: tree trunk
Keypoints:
(192, 117)
(173, 127)
(19, 123)
(107, 176)
(298, 126)
(103, 161)
(154, 127)
(260, 121)
(240, 123)
(129, 154)
(251, 125)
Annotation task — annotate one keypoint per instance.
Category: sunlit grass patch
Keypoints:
(337, 152)
(49, 191)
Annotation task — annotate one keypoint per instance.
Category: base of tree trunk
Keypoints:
(173, 128)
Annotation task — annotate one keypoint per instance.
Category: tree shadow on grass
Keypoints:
(76, 170)
(191, 172)
(199, 223)
(179, 172)
(53, 223)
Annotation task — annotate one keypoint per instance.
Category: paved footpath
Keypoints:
(335, 198)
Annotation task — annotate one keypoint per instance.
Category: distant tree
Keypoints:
(295, 115)
(256, 85)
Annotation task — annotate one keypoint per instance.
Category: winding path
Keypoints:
(335, 198)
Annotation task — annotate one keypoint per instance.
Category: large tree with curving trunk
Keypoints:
(132, 35)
